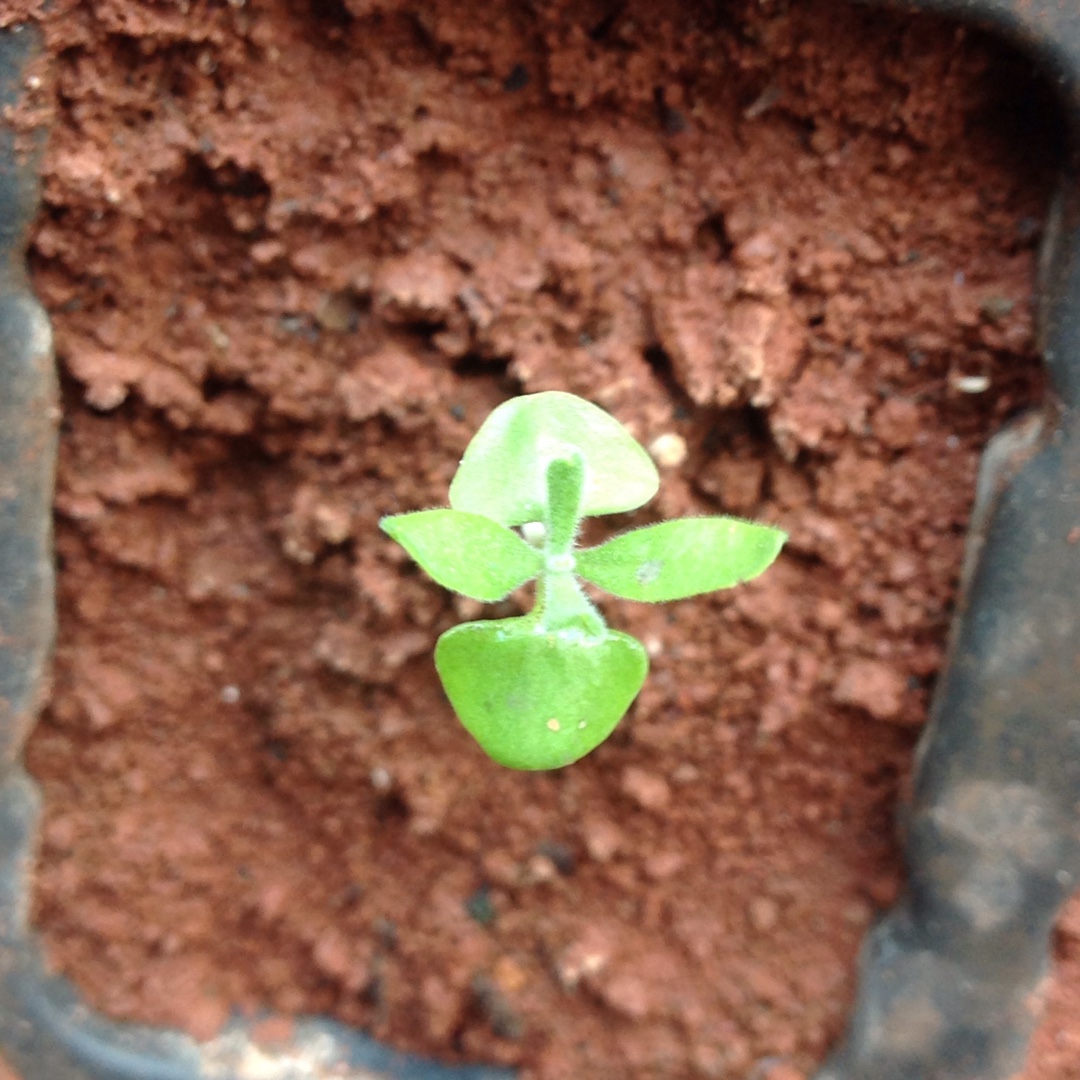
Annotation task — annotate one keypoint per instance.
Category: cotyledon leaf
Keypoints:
(676, 559)
(534, 699)
(467, 553)
(503, 473)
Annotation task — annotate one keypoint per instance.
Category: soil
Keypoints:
(294, 252)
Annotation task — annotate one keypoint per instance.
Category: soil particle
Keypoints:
(416, 288)
(763, 913)
(896, 423)
(649, 791)
(602, 838)
(767, 238)
(873, 686)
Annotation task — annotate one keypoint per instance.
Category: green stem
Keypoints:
(561, 604)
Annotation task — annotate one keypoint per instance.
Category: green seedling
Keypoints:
(541, 690)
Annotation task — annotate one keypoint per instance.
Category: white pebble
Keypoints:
(668, 450)
(971, 384)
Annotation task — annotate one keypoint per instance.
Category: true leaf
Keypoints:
(565, 478)
(536, 700)
(467, 553)
(503, 473)
(676, 559)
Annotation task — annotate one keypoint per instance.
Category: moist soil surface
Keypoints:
(294, 253)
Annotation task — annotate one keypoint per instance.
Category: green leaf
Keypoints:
(565, 480)
(682, 558)
(536, 700)
(503, 474)
(467, 553)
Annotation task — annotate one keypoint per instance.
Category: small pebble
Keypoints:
(603, 839)
(873, 686)
(668, 450)
(540, 869)
(663, 865)
(628, 995)
(480, 907)
(971, 384)
(338, 312)
(509, 974)
(996, 308)
(649, 791)
(586, 957)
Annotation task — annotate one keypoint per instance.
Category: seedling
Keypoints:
(541, 690)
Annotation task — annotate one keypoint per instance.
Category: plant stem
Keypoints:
(561, 604)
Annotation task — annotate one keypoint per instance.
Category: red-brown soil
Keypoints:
(294, 253)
